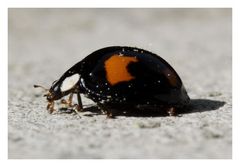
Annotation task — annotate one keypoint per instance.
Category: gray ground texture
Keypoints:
(44, 43)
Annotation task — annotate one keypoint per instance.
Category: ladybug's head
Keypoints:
(62, 87)
(53, 93)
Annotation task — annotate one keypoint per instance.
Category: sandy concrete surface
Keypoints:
(44, 43)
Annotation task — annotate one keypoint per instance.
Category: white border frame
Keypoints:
(114, 3)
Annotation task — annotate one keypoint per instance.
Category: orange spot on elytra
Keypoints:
(116, 68)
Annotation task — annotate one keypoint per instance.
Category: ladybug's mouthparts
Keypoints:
(49, 97)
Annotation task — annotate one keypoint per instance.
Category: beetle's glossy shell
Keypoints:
(130, 76)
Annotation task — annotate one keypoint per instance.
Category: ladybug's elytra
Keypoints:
(121, 78)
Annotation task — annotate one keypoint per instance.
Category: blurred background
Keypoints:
(44, 43)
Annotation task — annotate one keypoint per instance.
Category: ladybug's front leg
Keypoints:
(68, 102)
(50, 106)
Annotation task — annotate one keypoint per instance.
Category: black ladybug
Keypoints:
(121, 78)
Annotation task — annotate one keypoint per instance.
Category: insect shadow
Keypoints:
(196, 105)
(203, 105)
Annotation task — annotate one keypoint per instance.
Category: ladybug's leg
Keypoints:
(50, 107)
(107, 110)
(78, 106)
(172, 111)
(110, 114)
(69, 101)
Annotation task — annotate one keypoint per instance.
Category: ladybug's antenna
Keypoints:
(39, 86)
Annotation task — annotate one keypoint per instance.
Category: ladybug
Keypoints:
(120, 78)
